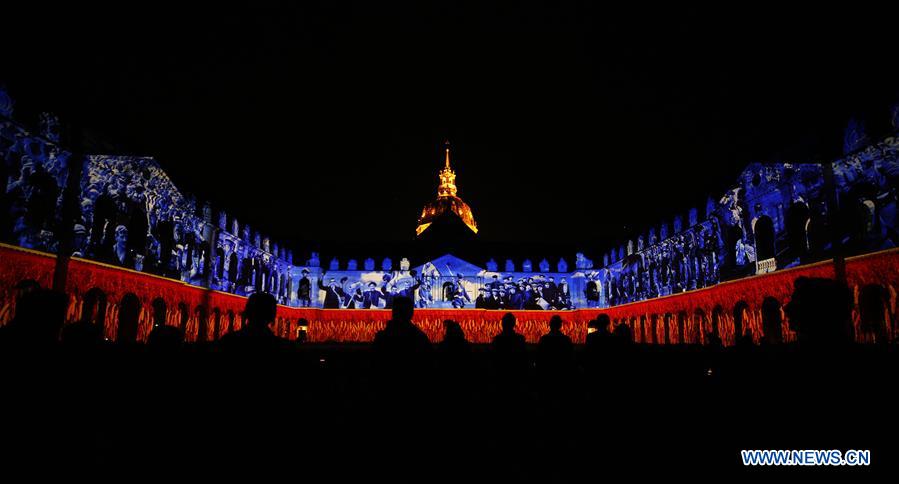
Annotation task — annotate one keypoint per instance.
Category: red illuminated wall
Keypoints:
(686, 316)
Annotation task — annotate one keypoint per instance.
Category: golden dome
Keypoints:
(446, 202)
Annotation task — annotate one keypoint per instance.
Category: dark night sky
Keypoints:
(570, 122)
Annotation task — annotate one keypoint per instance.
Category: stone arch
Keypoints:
(732, 235)
(818, 231)
(285, 329)
(644, 329)
(246, 273)
(233, 274)
(41, 204)
(129, 317)
(697, 323)
(740, 311)
(682, 327)
(216, 324)
(137, 229)
(231, 317)
(797, 223)
(666, 322)
(717, 320)
(873, 302)
(772, 320)
(184, 316)
(763, 230)
(26, 285)
(103, 226)
(261, 275)
(219, 263)
(190, 241)
(159, 312)
(448, 291)
(93, 308)
(859, 211)
(714, 228)
(202, 324)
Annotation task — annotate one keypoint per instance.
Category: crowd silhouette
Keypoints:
(406, 408)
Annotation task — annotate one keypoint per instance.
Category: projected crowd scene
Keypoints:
(131, 215)
(444, 282)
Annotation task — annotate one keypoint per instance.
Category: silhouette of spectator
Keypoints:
(26, 286)
(599, 342)
(302, 329)
(165, 338)
(403, 363)
(455, 357)
(403, 381)
(623, 335)
(554, 350)
(162, 337)
(772, 321)
(745, 340)
(401, 345)
(87, 332)
(22, 288)
(129, 315)
(821, 310)
(509, 347)
(713, 341)
(39, 317)
(454, 342)
(255, 335)
(872, 301)
(599, 337)
(82, 335)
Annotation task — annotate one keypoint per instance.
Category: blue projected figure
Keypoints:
(460, 295)
(407, 286)
(372, 296)
(425, 299)
(304, 291)
(591, 290)
(355, 298)
(334, 294)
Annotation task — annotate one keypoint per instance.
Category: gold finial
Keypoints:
(447, 146)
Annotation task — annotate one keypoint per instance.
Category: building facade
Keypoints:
(776, 215)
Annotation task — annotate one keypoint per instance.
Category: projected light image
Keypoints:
(449, 241)
(132, 215)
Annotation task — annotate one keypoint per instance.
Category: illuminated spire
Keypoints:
(447, 146)
(447, 187)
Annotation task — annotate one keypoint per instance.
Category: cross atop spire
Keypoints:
(446, 145)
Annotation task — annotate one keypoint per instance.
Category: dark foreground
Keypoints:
(326, 413)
